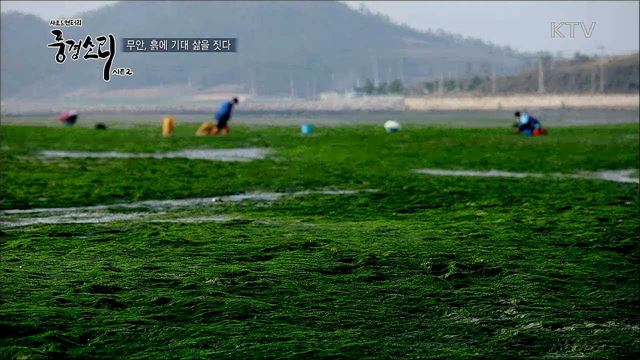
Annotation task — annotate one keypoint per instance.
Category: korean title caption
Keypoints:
(105, 47)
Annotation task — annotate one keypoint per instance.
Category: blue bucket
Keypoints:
(306, 129)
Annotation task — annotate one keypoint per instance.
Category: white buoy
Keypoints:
(391, 126)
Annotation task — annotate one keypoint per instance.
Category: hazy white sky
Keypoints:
(523, 25)
(52, 9)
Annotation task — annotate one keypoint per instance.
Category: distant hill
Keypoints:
(24, 56)
(314, 46)
(582, 74)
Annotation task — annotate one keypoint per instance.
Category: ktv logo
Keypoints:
(561, 29)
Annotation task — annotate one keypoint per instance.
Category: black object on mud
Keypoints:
(69, 120)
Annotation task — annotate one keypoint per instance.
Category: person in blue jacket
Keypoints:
(527, 124)
(223, 116)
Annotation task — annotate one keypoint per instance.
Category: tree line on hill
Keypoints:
(580, 74)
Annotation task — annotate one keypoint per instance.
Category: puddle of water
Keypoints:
(490, 173)
(624, 176)
(239, 154)
(190, 220)
(79, 218)
(152, 208)
(96, 218)
(183, 203)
